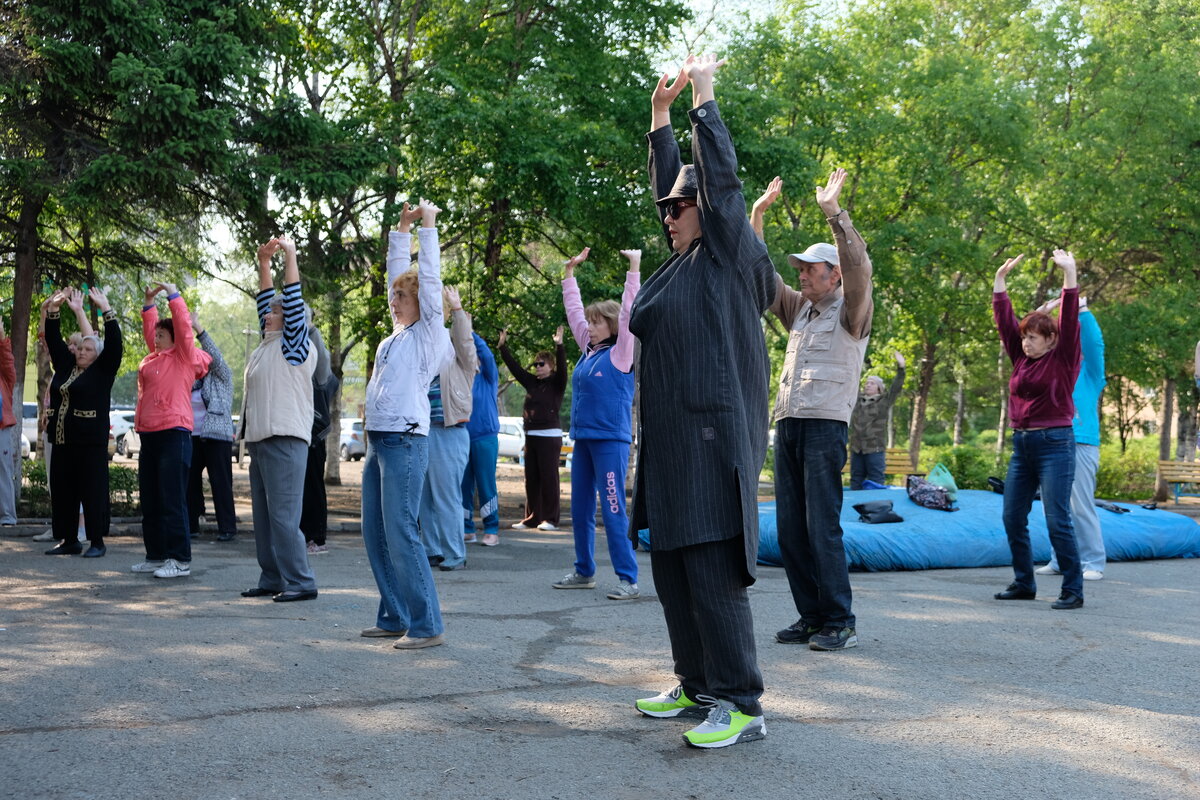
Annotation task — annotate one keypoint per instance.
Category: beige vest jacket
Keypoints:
(278, 398)
(822, 367)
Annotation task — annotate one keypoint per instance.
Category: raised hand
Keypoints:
(99, 299)
(74, 299)
(664, 95)
(768, 198)
(56, 300)
(558, 336)
(286, 245)
(408, 215)
(266, 250)
(1050, 305)
(1064, 259)
(700, 70)
(450, 294)
(635, 259)
(429, 213)
(1002, 273)
(169, 288)
(900, 362)
(828, 196)
(152, 292)
(573, 262)
(503, 338)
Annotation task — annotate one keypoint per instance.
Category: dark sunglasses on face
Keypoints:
(539, 363)
(676, 208)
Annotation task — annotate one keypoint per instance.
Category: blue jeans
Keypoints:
(1042, 458)
(866, 466)
(393, 476)
(441, 499)
(163, 466)
(598, 466)
(480, 475)
(809, 456)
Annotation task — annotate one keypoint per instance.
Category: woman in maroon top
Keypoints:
(1046, 359)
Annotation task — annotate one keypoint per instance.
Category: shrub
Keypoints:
(1129, 476)
(969, 464)
(35, 491)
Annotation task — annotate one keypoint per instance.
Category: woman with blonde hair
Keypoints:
(601, 427)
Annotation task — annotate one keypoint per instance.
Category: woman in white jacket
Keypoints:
(397, 425)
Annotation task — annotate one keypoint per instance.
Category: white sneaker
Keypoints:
(547, 526)
(1093, 575)
(147, 566)
(173, 569)
(1046, 570)
(624, 591)
(519, 526)
(45, 536)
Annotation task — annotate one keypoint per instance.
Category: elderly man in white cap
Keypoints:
(829, 321)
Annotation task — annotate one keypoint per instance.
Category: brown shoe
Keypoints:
(379, 633)
(416, 643)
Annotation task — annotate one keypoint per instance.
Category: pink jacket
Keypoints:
(622, 351)
(8, 379)
(165, 378)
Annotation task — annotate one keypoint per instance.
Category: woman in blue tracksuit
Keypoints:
(601, 411)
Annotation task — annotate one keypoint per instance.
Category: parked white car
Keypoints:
(121, 423)
(29, 423)
(353, 443)
(512, 438)
(25, 447)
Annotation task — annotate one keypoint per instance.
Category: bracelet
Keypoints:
(52, 314)
(110, 315)
(835, 216)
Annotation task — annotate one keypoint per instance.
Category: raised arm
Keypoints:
(429, 267)
(8, 366)
(1091, 344)
(150, 314)
(181, 325)
(852, 257)
(75, 303)
(897, 382)
(461, 332)
(727, 232)
(664, 161)
(765, 201)
(109, 359)
(560, 363)
(1007, 323)
(622, 351)
(519, 373)
(1068, 346)
(573, 303)
(487, 361)
(399, 256)
(295, 326)
(219, 368)
(60, 354)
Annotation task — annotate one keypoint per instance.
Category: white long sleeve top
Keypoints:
(407, 361)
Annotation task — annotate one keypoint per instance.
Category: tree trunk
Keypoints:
(1185, 441)
(917, 427)
(1161, 490)
(333, 459)
(960, 413)
(26, 264)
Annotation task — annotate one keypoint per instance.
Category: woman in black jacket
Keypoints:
(543, 431)
(78, 424)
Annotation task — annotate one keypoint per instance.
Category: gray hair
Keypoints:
(97, 341)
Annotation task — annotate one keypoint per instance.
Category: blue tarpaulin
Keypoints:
(974, 536)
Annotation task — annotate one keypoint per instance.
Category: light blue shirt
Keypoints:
(1091, 381)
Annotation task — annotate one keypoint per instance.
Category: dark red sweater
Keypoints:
(1039, 391)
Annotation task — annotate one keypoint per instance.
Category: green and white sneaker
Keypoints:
(575, 581)
(725, 726)
(671, 704)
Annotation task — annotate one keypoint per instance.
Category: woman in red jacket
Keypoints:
(164, 422)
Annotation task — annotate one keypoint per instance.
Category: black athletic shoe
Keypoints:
(833, 639)
(796, 633)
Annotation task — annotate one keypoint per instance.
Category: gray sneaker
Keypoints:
(624, 591)
(45, 536)
(575, 581)
(147, 566)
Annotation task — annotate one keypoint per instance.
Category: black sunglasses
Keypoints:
(539, 363)
(675, 208)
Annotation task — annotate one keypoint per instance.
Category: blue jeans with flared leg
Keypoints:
(441, 499)
(393, 476)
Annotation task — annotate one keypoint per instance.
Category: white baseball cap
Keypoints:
(821, 251)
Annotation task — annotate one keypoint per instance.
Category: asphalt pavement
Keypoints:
(116, 685)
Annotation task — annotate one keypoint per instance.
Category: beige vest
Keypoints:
(277, 399)
(822, 367)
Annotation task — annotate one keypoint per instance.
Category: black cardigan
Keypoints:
(544, 395)
(80, 401)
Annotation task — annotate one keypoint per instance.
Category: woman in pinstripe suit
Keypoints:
(703, 416)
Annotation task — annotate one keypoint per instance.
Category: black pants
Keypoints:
(702, 589)
(314, 511)
(163, 468)
(79, 474)
(215, 456)
(541, 479)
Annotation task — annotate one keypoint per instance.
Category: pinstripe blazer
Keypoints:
(703, 400)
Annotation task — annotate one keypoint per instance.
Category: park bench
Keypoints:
(897, 462)
(1179, 474)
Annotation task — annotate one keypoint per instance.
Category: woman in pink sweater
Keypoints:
(164, 422)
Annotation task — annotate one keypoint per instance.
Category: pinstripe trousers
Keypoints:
(702, 588)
